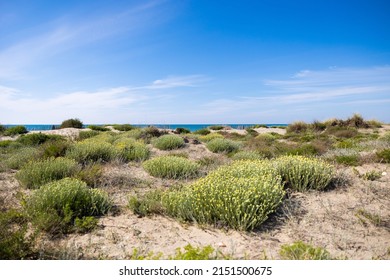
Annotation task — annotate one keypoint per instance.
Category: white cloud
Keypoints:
(178, 81)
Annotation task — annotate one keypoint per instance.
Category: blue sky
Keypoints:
(270, 61)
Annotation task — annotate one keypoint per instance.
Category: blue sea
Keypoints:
(191, 127)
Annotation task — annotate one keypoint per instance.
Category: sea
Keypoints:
(190, 127)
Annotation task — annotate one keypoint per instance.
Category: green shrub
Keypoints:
(216, 127)
(55, 206)
(14, 243)
(171, 167)
(168, 142)
(85, 224)
(34, 139)
(56, 148)
(85, 134)
(372, 175)
(15, 130)
(21, 156)
(131, 150)
(247, 155)
(302, 174)
(90, 174)
(193, 253)
(36, 173)
(92, 150)
(240, 196)
(297, 127)
(98, 128)
(318, 126)
(384, 155)
(210, 136)
(348, 159)
(2, 128)
(222, 146)
(252, 132)
(123, 127)
(341, 132)
(149, 203)
(182, 130)
(202, 131)
(75, 123)
(150, 132)
(6, 143)
(301, 251)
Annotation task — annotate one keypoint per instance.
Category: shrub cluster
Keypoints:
(247, 155)
(302, 173)
(92, 150)
(131, 150)
(98, 128)
(171, 167)
(22, 156)
(36, 173)
(15, 130)
(35, 139)
(202, 131)
(302, 251)
(240, 196)
(220, 145)
(384, 155)
(85, 134)
(55, 206)
(210, 136)
(216, 127)
(182, 130)
(75, 123)
(123, 127)
(168, 142)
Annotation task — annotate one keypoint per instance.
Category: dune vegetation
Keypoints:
(307, 191)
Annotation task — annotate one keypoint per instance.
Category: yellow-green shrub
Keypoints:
(36, 173)
(240, 196)
(302, 173)
(21, 156)
(92, 150)
(55, 206)
(209, 137)
(171, 167)
(219, 145)
(129, 149)
(168, 142)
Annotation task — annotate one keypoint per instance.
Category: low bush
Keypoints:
(91, 174)
(131, 150)
(15, 130)
(150, 132)
(222, 146)
(210, 136)
(36, 173)
(384, 155)
(85, 134)
(341, 132)
(171, 167)
(123, 127)
(14, 242)
(318, 126)
(182, 130)
(168, 142)
(98, 128)
(21, 156)
(6, 143)
(35, 139)
(75, 123)
(247, 155)
(2, 128)
(302, 174)
(149, 203)
(372, 175)
(240, 196)
(301, 251)
(55, 206)
(297, 127)
(56, 148)
(92, 150)
(216, 127)
(202, 131)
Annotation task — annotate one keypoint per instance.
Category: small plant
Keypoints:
(222, 146)
(247, 155)
(302, 251)
(150, 132)
(341, 132)
(210, 136)
(36, 173)
(92, 150)
(216, 127)
(75, 123)
(202, 131)
(22, 156)
(171, 167)
(90, 174)
(182, 130)
(85, 134)
(297, 127)
(375, 219)
(384, 155)
(302, 174)
(168, 142)
(56, 148)
(193, 253)
(15, 130)
(85, 224)
(131, 150)
(318, 126)
(98, 128)
(372, 175)
(149, 203)
(123, 127)
(55, 206)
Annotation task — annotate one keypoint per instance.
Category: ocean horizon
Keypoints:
(191, 127)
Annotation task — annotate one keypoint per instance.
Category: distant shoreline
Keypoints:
(191, 127)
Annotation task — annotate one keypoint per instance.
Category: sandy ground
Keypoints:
(336, 219)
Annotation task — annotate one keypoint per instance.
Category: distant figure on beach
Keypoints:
(53, 127)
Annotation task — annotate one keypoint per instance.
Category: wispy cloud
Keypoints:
(67, 33)
(178, 81)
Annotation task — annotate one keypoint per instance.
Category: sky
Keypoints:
(193, 61)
